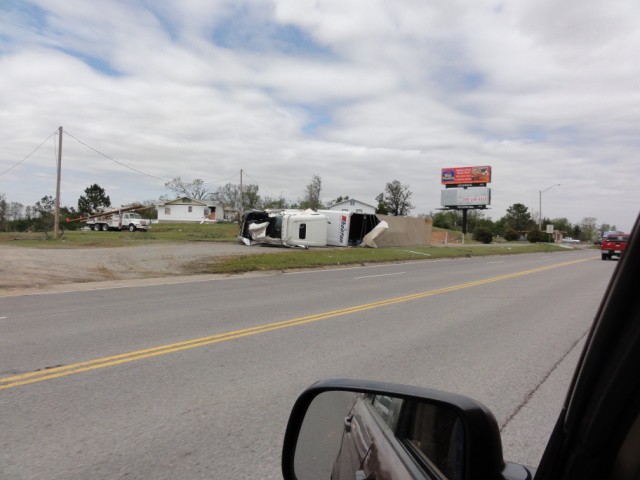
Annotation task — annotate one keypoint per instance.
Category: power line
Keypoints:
(37, 148)
(114, 160)
(274, 196)
(138, 171)
(220, 181)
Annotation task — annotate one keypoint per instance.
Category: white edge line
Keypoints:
(382, 275)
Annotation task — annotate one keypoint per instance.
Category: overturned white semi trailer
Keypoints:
(296, 228)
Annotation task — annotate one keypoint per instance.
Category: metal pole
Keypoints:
(540, 211)
(56, 221)
(540, 206)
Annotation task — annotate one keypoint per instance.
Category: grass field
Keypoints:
(314, 258)
(159, 233)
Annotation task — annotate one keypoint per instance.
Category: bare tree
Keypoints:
(229, 195)
(589, 227)
(395, 199)
(16, 210)
(195, 189)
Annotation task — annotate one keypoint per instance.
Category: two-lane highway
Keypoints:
(196, 379)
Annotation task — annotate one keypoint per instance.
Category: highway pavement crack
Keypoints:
(531, 393)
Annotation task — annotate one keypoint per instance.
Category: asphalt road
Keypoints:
(196, 379)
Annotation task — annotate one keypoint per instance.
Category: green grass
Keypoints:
(301, 259)
(159, 233)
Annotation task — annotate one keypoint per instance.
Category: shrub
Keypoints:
(483, 235)
(511, 235)
(536, 236)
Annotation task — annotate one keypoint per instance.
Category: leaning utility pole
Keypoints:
(56, 220)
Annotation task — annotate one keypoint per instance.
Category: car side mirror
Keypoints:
(351, 429)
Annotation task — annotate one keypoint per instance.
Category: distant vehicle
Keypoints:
(118, 219)
(570, 240)
(613, 245)
(604, 236)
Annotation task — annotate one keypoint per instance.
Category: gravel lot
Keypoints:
(35, 268)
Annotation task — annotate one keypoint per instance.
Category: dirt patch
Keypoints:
(34, 267)
(442, 237)
(23, 267)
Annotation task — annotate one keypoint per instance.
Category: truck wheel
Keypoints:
(604, 257)
(105, 227)
(92, 227)
(132, 228)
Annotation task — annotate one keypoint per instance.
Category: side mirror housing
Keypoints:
(346, 429)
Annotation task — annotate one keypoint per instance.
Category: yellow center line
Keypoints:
(57, 372)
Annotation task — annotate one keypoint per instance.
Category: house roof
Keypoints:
(193, 201)
(349, 200)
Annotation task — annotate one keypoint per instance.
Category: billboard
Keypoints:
(465, 197)
(455, 176)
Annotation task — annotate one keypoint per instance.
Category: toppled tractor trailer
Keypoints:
(296, 228)
(287, 228)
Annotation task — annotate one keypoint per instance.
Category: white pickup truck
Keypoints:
(570, 240)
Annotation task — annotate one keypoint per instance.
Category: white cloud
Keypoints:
(359, 92)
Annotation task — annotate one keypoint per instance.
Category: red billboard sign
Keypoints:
(455, 176)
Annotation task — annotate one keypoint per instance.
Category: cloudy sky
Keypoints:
(360, 92)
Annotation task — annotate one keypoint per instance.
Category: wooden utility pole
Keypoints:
(241, 200)
(56, 220)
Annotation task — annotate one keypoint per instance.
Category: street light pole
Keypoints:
(540, 204)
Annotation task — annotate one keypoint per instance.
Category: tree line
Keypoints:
(395, 199)
(519, 223)
(14, 216)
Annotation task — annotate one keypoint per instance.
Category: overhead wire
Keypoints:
(25, 158)
(138, 171)
(220, 181)
(55, 132)
(259, 184)
(114, 160)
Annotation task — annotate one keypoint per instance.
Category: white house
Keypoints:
(190, 210)
(354, 206)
